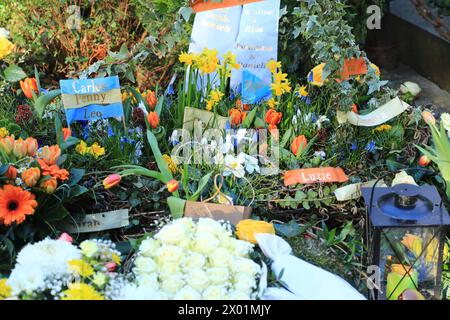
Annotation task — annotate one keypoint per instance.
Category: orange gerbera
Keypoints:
(15, 204)
(53, 171)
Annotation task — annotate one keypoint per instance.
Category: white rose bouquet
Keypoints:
(193, 260)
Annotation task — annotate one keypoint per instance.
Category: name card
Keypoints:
(85, 223)
(91, 99)
(314, 175)
(205, 5)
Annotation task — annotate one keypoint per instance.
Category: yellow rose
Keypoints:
(246, 229)
(6, 47)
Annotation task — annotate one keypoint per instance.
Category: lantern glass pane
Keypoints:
(408, 260)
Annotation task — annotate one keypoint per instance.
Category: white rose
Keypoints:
(215, 293)
(241, 248)
(187, 293)
(89, 248)
(148, 281)
(206, 225)
(172, 284)
(168, 269)
(218, 275)
(246, 266)
(144, 265)
(204, 243)
(172, 233)
(188, 223)
(244, 283)
(220, 257)
(169, 254)
(194, 261)
(410, 87)
(238, 295)
(148, 247)
(198, 279)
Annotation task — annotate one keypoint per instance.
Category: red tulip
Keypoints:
(424, 161)
(111, 181)
(172, 186)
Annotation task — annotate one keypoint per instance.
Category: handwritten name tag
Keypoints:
(85, 223)
(91, 99)
(314, 175)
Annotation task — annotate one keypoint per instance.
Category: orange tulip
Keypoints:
(355, 108)
(32, 146)
(28, 86)
(53, 171)
(153, 119)
(11, 173)
(151, 99)
(273, 118)
(7, 144)
(424, 161)
(237, 116)
(172, 185)
(428, 118)
(111, 181)
(31, 176)
(66, 133)
(20, 148)
(299, 144)
(49, 186)
(50, 154)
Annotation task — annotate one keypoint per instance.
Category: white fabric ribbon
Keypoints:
(302, 280)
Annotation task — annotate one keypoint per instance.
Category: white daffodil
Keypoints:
(251, 164)
(234, 165)
(322, 119)
(228, 145)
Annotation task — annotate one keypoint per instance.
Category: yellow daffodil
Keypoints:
(382, 128)
(302, 91)
(81, 267)
(116, 259)
(273, 66)
(170, 163)
(315, 76)
(229, 59)
(215, 96)
(5, 290)
(81, 291)
(6, 47)
(4, 132)
(272, 103)
(96, 150)
(82, 148)
(186, 58)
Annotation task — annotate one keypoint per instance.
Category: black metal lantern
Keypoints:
(408, 240)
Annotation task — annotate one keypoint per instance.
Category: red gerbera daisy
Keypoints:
(15, 204)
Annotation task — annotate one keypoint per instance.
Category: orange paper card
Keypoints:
(353, 67)
(205, 5)
(314, 175)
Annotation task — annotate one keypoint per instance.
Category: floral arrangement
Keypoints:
(188, 260)
(58, 270)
